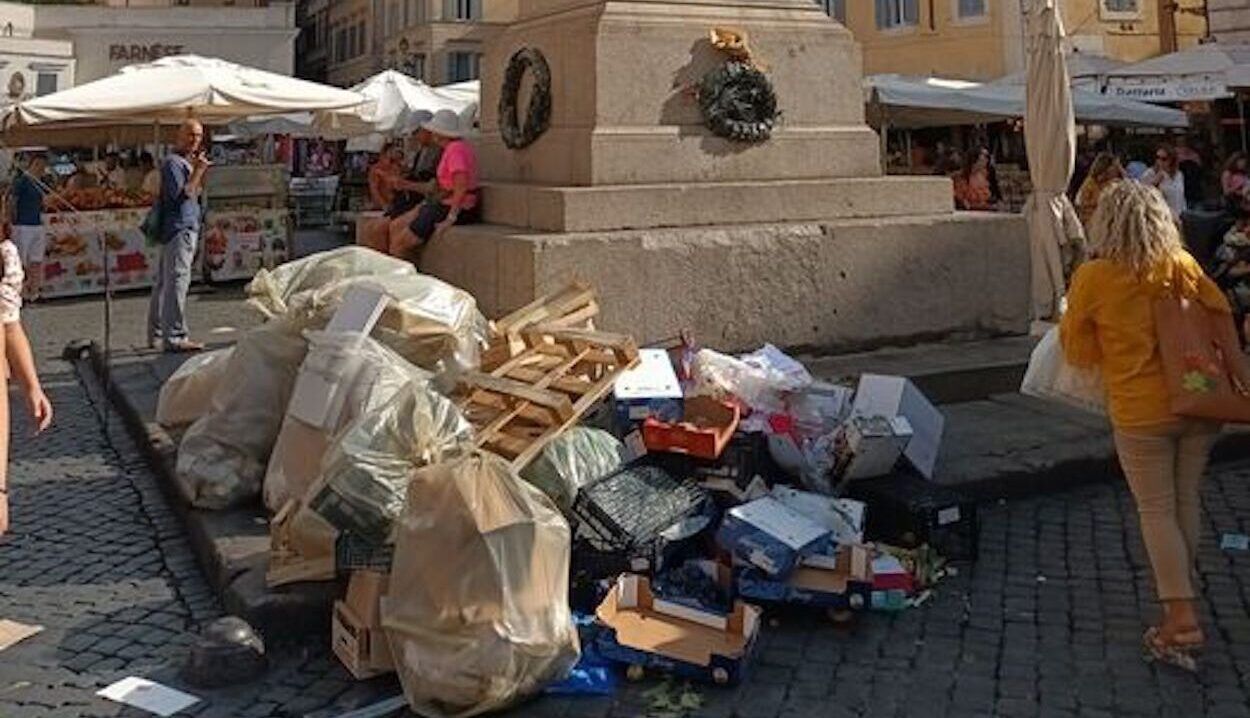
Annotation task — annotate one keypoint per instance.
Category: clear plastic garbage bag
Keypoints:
(188, 393)
(223, 456)
(576, 458)
(354, 375)
(429, 322)
(478, 615)
(366, 471)
(271, 291)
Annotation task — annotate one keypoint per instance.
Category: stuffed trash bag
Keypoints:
(427, 321)
(574, 459)
(365, 474)
(223, 456)
(356, 375)
(477, 615)
(188, 393)
(271, 291)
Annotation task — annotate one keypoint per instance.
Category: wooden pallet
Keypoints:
(548, 386)
(575, 306)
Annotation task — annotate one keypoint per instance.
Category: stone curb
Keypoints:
(231, 546)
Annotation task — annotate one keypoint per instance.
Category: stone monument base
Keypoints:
(839, 284)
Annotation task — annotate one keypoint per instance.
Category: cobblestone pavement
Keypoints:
(1047, 623)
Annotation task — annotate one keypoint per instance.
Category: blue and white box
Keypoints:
(649, 390)
(771, 536)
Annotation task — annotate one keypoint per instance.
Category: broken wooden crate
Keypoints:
(556, 377)
(573, 307)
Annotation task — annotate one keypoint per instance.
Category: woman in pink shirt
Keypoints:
(459, 199)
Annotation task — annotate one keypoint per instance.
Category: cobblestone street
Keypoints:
(1047, 623)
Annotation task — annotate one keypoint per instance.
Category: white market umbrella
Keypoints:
(173, 88)
(1050, 141)
(398, 105)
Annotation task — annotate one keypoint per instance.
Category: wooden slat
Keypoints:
(530, 411)
(558, 403)
(567, 384)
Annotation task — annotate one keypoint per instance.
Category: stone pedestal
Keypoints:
(799, 240)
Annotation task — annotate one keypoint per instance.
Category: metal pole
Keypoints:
(1241, 114)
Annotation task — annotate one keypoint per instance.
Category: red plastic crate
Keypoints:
(704, 432)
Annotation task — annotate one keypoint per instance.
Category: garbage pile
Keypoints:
(520, 504)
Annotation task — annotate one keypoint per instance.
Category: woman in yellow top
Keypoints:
(1105, 170)
(1110, 325)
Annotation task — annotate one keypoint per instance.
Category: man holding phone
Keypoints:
(182, 180)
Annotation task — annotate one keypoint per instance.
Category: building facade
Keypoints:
(30, 66)
(438, 41)
(983, 39)
(312, 46)
(1229, 20)
(85, 42)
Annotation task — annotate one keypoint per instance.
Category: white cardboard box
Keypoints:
(891, 396)
(844, 517)
(649, 389)
(875, 443)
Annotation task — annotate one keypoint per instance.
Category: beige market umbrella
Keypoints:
(1050, 140)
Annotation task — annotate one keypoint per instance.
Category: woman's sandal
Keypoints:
(1177, 651)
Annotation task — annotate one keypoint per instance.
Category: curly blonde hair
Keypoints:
(1133, 226)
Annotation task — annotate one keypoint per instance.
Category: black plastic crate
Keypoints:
(353, 552)
(745, 457)
(906, 510)
(628, 509)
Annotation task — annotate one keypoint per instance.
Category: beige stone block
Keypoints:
(834, 285)
(591, 209)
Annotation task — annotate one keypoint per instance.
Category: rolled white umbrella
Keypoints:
(1050, 141)
(173, 88)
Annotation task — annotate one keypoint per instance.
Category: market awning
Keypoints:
(1203, 72)
(173, 88)
(910, 102)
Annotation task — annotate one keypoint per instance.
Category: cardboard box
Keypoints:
(771, 536)
(843, 517)
(357, 629)
(362, 649)
(875, 444)
(844, 582)
(648, 391)
(643, 630)
(892, 396)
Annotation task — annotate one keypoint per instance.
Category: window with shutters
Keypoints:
(897, 14)
(462, 66)
(971, 9)
(462, 10)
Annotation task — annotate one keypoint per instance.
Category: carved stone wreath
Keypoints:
(516, 134)
(738, 102)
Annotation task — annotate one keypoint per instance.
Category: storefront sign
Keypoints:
(142, 53)
(1169, 90)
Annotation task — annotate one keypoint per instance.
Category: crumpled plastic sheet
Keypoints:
(188, 393)
(223, 456)
(761, 380)
(477, 614)
(272, 291)
(574, 459)
(365, 473)
(370, 375)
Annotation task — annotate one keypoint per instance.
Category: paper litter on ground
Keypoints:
(13, 633)
(149, 696)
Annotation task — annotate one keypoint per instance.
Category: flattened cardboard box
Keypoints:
(647, 631)
(771, 536)
(843, 583)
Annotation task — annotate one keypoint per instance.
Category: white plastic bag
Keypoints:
(354, 375)
(761, 380)
(222, 458)
(572, 460)
(188, 393)
(477, 614)
(271, 291)
(366, 471)
(1051, 377)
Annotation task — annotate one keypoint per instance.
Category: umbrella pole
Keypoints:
(1241, 114)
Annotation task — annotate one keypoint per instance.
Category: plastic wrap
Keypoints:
(761, 380)
(223, 456)
(365, 375)
(478, 614)
(367, 469)
(1051, 377)
(576, 458)
(272, 290)
(188, 393)
(429, 322)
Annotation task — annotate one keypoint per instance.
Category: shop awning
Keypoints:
(1203, 72)
(911, 102)
(173, 88)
